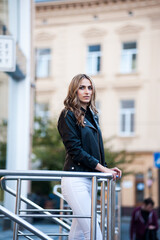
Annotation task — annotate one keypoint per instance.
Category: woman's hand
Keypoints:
(114, 171)
(118, 171)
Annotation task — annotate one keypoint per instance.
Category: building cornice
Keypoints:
(72, 4)
(83, 4)
(70, 12)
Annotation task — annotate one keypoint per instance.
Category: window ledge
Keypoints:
(127, 81)
(98, 75)
(131, 74)
(44, 79)
(126, 136)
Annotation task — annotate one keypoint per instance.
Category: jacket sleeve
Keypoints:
(132, 225)
(68, 129)
(155, 220)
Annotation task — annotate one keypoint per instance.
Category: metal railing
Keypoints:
(23, 223)
(102, 189)
(118, 214)
(104, 178)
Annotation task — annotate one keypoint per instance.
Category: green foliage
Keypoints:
(3, 148)
(41, 188)
(48, 148)
(3, 144)
(119, 159)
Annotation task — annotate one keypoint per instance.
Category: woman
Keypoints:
(81, 135)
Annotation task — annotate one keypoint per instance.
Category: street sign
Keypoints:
(7, 53)
(157, 159)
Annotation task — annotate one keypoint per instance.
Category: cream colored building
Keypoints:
(118, 44)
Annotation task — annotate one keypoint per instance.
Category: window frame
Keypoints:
(94, 60)
(129, 121)
(41, 60)
(127, 65)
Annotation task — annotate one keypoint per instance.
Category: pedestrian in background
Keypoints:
(144, 222)
(81, 135)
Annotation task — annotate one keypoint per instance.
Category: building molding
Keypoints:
(94, 32)
(155, 21)
(41, 36)
(125, 85)
(129, 29)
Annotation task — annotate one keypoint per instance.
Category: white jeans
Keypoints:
(77, 193)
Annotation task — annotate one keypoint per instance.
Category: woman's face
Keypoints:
(84, 92)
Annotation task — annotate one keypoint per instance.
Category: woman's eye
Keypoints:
(81, 87)
(90, 88)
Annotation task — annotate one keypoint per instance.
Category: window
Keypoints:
(127, 114)
(129, 57)
(139, 188)
(43, 58)
(94, 59)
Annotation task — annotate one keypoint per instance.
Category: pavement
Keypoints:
(50, 227)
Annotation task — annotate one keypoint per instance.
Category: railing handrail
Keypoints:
(24, 223)
(55, 173)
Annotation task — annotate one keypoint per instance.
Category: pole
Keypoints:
(94, 208)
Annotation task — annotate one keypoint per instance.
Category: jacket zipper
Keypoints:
(98, 141)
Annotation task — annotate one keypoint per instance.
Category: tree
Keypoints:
(119, 159)
(3, 144)
(3, 149)
(47, 152)
(48, 148)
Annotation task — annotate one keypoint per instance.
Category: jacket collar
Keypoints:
(95, 118)
(87, 123)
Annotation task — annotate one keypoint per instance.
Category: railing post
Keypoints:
(94, 208)
(17, 207)
(119, 214)
(103, 209)
(61, 207)
(110, 209)
(113, 209)
(109, 213)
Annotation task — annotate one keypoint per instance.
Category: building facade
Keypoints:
(117, 44)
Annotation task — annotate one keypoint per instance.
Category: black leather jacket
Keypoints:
(84, 145)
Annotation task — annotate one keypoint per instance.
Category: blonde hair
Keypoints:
(72, 102)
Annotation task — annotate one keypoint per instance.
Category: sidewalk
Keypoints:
(125, 228)
(44, 226)
(50, 227)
